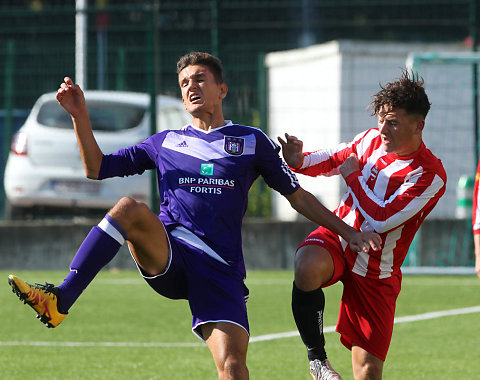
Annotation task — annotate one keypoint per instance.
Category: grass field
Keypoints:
(120, 329)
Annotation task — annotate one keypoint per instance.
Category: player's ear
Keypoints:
(420, 125)
(223, 90)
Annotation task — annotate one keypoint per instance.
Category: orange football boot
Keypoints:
(42, 298)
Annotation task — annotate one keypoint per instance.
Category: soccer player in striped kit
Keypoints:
(393, 182)
(193, 249)
(476, 220)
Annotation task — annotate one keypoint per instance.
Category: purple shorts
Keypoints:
(215, 292)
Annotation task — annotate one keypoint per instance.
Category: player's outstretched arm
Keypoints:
(70, 97)
(307, 205)
(292, 150)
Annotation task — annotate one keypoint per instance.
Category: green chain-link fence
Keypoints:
(129, 41)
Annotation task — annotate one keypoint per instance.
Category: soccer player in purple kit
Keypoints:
(193, 249)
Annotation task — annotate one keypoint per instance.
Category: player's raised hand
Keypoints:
(350, 165)
(292, 150)
(70, 97)
(363, 241)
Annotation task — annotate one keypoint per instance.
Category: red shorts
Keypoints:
(367, 308)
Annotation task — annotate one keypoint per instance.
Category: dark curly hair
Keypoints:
(406, 92)
(201, 58)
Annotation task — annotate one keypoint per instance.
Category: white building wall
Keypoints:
(298, 105)
(320, 94)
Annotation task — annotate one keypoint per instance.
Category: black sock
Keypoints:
(307, 310)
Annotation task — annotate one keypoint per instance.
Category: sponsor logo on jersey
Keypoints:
(206, 185)
(206, 169)
(183, 144)
(234, 145)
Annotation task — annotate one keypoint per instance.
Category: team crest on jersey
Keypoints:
(234, 145)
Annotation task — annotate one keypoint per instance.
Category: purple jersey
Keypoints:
(204, 178)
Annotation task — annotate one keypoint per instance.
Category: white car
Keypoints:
(44, 170)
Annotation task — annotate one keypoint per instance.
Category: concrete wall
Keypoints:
(40, 246)
(268, 244)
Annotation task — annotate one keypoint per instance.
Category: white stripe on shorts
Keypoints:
(189, 237)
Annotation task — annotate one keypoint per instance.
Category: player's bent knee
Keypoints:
(369, 371)
(365, 364)
(235, 368)
(127, 211)
(313, 268)
(130, 206)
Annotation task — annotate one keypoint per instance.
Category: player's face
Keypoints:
(200, 92)
(400, 132)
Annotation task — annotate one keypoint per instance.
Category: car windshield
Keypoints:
(104, 115)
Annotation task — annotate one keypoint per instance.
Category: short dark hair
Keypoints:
(406, 92)
(201, 58)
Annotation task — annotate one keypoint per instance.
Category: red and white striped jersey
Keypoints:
(476, 203)
(390, 194)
